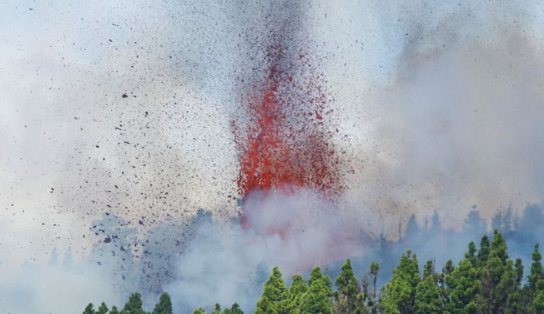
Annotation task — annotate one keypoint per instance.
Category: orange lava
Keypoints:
(285, 142)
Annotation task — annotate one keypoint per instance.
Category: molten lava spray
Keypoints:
(285, 146)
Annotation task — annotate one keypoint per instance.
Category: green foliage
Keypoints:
(296, 293)
(483, 253)
(486, 280)
(537, 303)
(164, 306)
(89, 309)
(499, 279)
(103, 309)
(234, 309)
(275, 295)
(428, 296)
(370, 293)
(217, 309)
(470, 255)
(428, 269)
(134, 305)
(463, 287)
(399, 293)
(348, 298)
(317, 300)
(537, 273)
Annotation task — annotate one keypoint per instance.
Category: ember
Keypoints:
(285, 145)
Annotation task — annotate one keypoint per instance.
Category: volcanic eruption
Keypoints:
(285, 144)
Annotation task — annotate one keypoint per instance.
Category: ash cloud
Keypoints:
(229, 262)
(439, 107)
(447, 117)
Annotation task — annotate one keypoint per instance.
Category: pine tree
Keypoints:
(134, 305)
(370, 296)
(485, 281)
(498, 279)
(483, 253)
(537, 304)
(428, 269)
(498, 247)
(234, 309)
(428, 298)
(164, 306)
(89, 309)
(463, 287)
(518, 266)
(515, 299)
(103, 309)
(317, 300)
(462, 284)
(536, 273)
(296, 293)
(348, 298)
(448, 268)
(275, 295)
(217, 309)
(470, 255)
(398, 295)
(446, 271)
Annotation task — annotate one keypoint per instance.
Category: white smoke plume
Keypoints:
(228, 262)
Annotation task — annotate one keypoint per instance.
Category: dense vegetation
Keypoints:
(486, 280)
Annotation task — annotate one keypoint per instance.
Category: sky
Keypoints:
(125, 108)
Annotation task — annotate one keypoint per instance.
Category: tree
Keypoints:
(103, 309)
(398, 295)
(134, 305)
(296, 293)
(515, 299)
(470, 255)
(234, 309)
(463, 287)
(483, 253)
(370, 295)
(446, 271)
(89, 309)
(317, 300)
(348, 297)
(275, 295)
(485, 281)
(499, 279)
(164, 306)
(428, 269)
(217, 309)
(428, 297)
(536, 273)
(537, 304)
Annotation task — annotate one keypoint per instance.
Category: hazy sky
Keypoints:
(125, 106)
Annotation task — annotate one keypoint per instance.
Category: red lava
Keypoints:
(285, 144)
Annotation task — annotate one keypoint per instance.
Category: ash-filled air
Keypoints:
(144, 141)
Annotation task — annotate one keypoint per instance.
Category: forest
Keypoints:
(486, 280)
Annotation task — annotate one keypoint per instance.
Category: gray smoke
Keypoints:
(115, 120)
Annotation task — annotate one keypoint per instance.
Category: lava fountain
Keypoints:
(285, 143)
